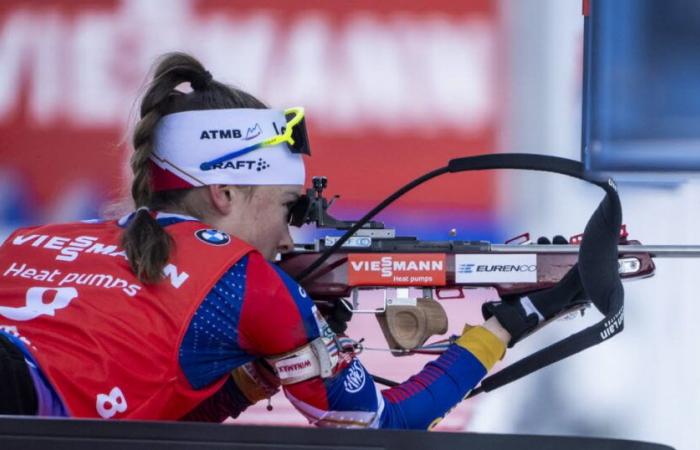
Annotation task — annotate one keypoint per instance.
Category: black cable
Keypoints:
(385, 381)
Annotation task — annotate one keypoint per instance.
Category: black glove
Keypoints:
(338, 315)
(521, 315)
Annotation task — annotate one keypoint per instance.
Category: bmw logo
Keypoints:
(212, 237)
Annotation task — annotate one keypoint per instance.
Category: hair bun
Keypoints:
(201, 80)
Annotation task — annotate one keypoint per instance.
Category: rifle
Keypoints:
(369, 256)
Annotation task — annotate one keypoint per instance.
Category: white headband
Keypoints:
(185, 140)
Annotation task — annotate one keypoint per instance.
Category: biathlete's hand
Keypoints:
(521, 315)
(256, 380)
(338, 315)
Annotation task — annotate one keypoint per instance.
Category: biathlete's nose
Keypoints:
(286, 245)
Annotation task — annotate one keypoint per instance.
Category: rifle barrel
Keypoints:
(657, 251)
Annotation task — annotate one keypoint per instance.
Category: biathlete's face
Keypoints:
(261, 218)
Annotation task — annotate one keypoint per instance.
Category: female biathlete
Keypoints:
(174, 312)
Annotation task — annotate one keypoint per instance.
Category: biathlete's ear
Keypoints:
(222, 196)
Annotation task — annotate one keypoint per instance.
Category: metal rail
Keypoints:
(657, 251)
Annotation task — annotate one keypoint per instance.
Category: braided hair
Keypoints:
(146, 243)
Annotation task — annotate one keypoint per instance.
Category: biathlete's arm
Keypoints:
(210, 351)
(278, 317)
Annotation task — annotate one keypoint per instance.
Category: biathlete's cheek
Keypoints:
(285, 242)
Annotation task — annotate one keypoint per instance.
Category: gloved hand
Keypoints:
(249, 383)
(338, 315)
(256, 380)
(521, 315)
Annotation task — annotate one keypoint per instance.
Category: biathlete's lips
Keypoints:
(267, 148)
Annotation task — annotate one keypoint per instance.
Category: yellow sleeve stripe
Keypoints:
(481, 343)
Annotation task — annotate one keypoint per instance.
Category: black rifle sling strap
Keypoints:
(597, 262)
